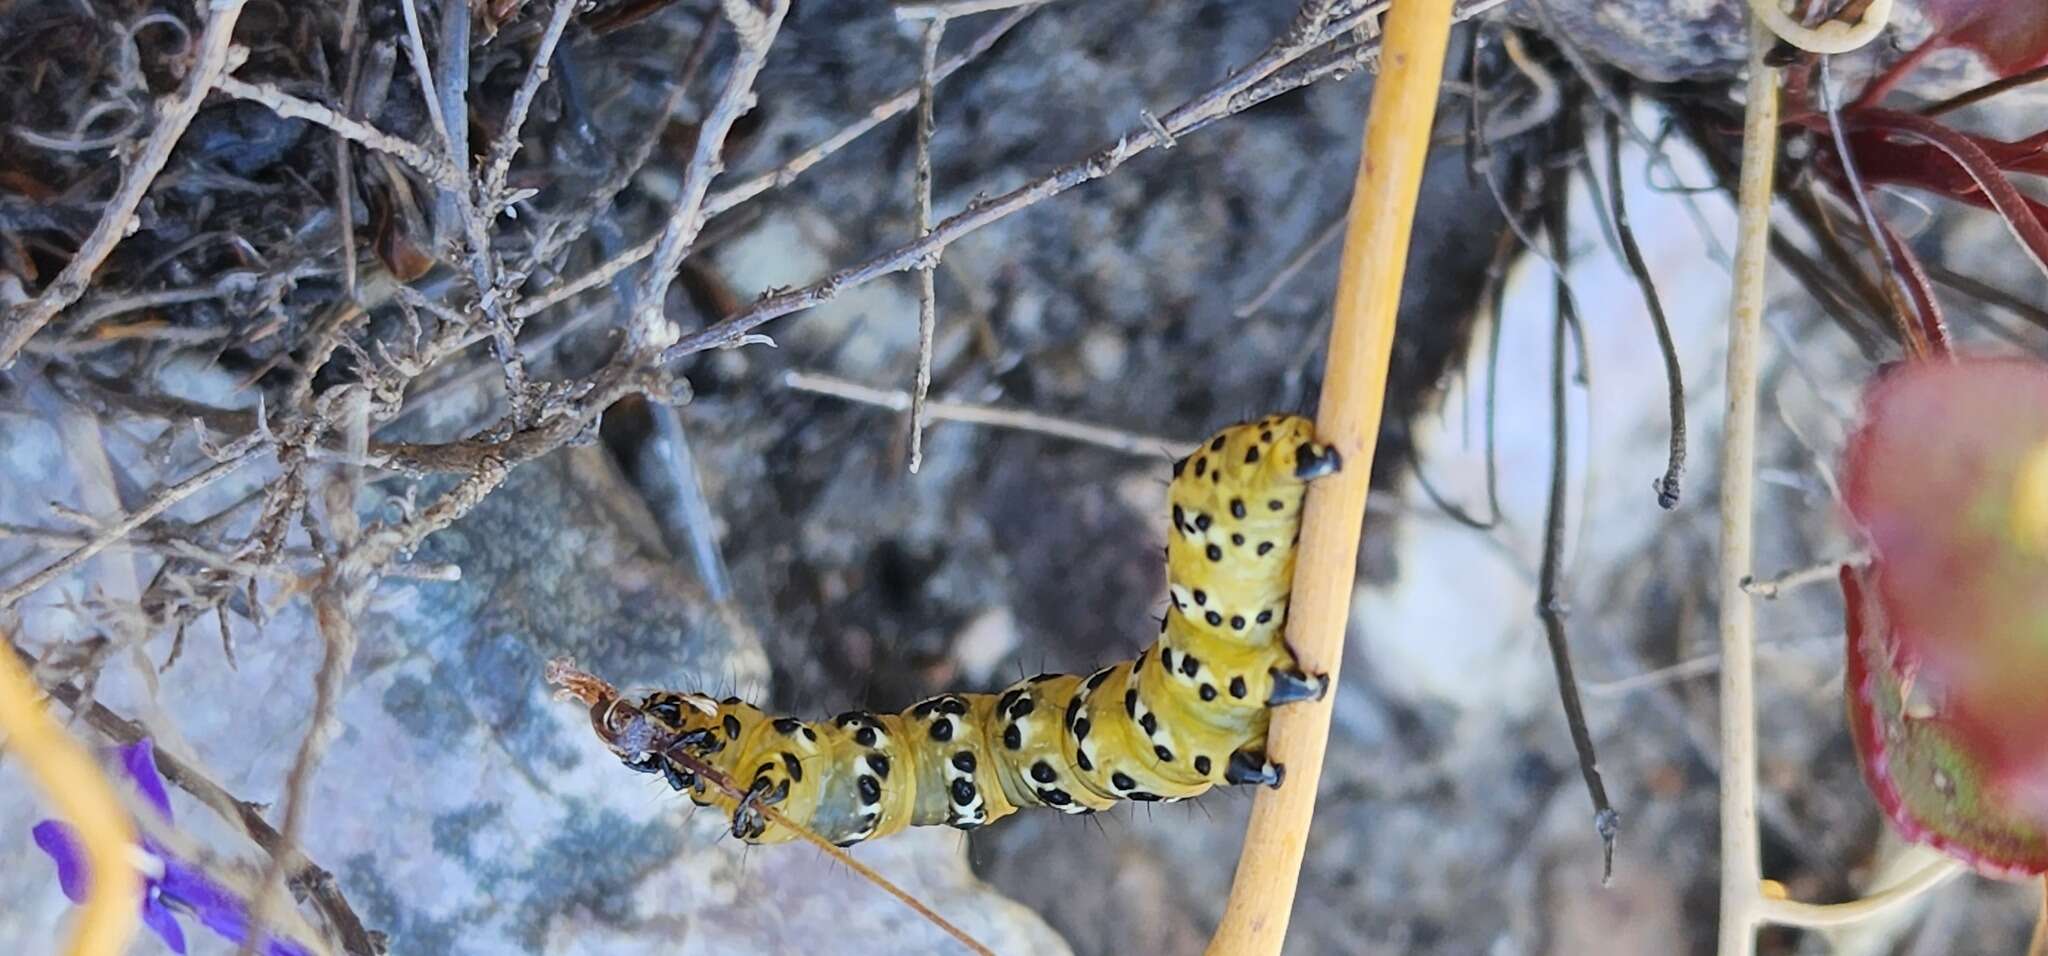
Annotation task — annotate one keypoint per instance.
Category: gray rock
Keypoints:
(461, 809)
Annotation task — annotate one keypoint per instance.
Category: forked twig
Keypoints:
(730, 197)
(1262, 79)
(1550, 601)
(648, 329)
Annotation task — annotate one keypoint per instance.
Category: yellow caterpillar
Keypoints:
(1188, 713)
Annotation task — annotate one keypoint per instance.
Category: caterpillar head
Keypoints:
(1295, 450)
(674, 721)
(1274, 451)
(664, 733)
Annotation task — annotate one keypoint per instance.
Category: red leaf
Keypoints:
(1948, 627)
(1927, 785)
(2012, 35)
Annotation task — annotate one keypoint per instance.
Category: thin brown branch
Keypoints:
(1323, 240)
(488, 464)
(333, 614)
(1551, 603)
(1987, 91)
(1674, 377)
(216, 55)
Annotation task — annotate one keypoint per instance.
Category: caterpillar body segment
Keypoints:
(1188, 713)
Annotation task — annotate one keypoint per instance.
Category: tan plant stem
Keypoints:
(1741, 866)
(1354, 392)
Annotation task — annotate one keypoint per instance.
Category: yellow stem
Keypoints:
(1354, 390)
(84, 798)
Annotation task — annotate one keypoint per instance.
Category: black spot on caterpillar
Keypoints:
(1064, 741)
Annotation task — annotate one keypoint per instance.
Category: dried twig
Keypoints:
(1243, 89)
(1354, 394)
(215, 57)
(945, 9)
(734, 195)
(1674, 377)
(433, 166)
(1821, 572)
(1741, 863)
(333, 612)
(452, 212)
(1300, 260)
(1550, 600)
(648, 329)
(927, 272)
(507, 144)
(229, 458)
(941, 410)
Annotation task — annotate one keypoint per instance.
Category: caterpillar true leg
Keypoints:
(1188, 713)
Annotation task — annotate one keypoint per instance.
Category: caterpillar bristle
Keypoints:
(1188, 713)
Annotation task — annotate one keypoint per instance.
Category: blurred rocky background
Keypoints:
(293, 343)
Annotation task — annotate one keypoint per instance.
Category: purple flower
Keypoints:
(169, 886)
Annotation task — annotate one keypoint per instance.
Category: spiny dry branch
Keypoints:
(1256, 82)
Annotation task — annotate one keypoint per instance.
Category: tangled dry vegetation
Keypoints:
(289, 290)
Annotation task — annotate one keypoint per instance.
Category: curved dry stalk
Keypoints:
(1822, 915)
(1368, 297)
